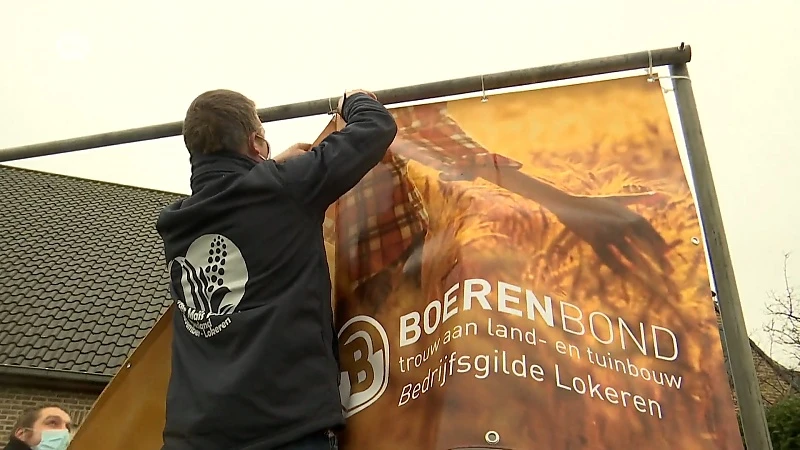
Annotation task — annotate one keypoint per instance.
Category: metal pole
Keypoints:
(740, 358)
(597, 66)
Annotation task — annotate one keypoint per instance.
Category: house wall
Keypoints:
(13, 400)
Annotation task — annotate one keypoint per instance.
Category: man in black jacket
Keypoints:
(254, 353)
(41, 428)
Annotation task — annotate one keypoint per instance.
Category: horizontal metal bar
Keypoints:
(598, 66)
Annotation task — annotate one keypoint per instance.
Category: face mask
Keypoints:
(54, 440)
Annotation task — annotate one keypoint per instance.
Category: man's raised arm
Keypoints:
(321, 175)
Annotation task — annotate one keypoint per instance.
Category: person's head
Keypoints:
(44, 428)
(223, 120)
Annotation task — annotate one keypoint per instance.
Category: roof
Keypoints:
(790, 377)
(775, 381)
(84, 278)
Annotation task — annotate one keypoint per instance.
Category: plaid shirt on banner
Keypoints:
(377, 220)
(429, 136)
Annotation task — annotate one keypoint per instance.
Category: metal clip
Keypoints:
(484, 98)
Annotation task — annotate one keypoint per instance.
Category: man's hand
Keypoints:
(294, 150)
(350, 93)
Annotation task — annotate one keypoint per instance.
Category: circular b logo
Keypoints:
(364, 359)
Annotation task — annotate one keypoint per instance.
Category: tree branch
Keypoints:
(784, 309)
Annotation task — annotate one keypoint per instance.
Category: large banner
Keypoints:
(524, 273)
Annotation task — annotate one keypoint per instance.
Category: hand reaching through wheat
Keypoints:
(622, 239)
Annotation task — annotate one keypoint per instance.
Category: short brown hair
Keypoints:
(29, 417)
(219, 120)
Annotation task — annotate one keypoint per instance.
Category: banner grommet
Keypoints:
(492, 437)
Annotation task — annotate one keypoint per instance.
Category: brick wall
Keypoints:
(13, 400)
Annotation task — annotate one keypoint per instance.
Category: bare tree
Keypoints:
(784, 309)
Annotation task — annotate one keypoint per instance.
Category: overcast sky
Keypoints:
(89, 66)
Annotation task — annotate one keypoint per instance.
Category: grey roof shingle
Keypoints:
(82, 276)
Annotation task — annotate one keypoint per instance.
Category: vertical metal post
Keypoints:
(743, 371)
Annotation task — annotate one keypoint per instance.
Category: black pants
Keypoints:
(322, 440)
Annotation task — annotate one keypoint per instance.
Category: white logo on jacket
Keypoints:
(208, 284)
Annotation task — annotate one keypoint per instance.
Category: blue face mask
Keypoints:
(54, 440)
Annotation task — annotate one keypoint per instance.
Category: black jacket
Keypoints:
(254, 352)
(16, 444)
